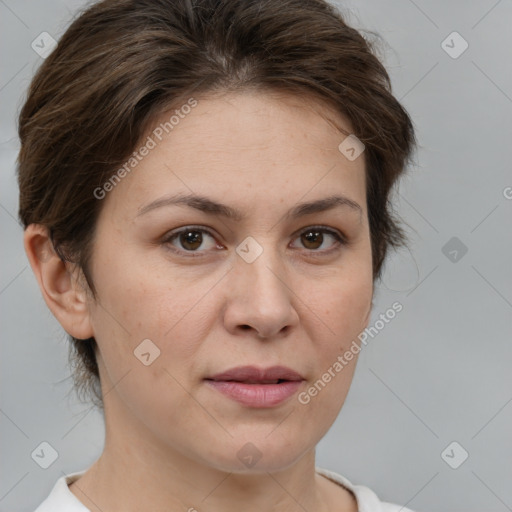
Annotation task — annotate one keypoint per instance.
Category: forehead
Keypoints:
(254, 120)
(267, 146)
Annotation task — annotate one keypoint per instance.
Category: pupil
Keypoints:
(192, 239)
(311, 235)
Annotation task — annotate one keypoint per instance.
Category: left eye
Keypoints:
(192, 238)
(311, 237)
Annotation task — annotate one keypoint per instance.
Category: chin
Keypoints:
(260, 452)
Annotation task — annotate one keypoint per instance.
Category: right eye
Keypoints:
(190, 238)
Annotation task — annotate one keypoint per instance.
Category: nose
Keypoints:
(260, 298)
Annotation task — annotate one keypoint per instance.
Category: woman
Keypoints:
(204, 187)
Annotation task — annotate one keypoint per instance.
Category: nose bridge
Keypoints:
(261, 297)
(261, 265)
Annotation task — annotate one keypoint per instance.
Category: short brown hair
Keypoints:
(122, 63)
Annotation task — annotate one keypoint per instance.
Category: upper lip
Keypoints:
(254, 374)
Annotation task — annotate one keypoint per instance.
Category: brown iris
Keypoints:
(191, 239)
(311, 237)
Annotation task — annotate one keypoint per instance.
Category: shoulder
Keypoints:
(367, 500)
(61, 499)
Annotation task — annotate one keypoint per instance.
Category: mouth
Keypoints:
(254, 387)
(275, 381)
(253, 375)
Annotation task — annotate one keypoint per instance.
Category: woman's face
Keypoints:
(266, 289)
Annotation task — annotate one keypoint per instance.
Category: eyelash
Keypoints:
(340, 239)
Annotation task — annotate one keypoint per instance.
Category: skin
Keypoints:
(167, 432)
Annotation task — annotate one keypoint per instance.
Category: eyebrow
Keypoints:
(207, 205)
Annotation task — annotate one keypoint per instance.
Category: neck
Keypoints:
(122, 480)
(138, 472)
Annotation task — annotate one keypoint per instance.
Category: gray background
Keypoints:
(438, 373)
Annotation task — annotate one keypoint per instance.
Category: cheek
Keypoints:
(350, 308)
(343, 303)
(123, 307)
(138, 303)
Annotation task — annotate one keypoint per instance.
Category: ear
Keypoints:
(60, 285)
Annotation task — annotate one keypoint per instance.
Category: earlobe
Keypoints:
(60, 286)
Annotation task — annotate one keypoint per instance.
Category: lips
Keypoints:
(253, 375)
(257, 388)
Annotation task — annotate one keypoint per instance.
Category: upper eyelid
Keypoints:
(332, 231)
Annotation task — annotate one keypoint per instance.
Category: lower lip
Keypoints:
(256, 395)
